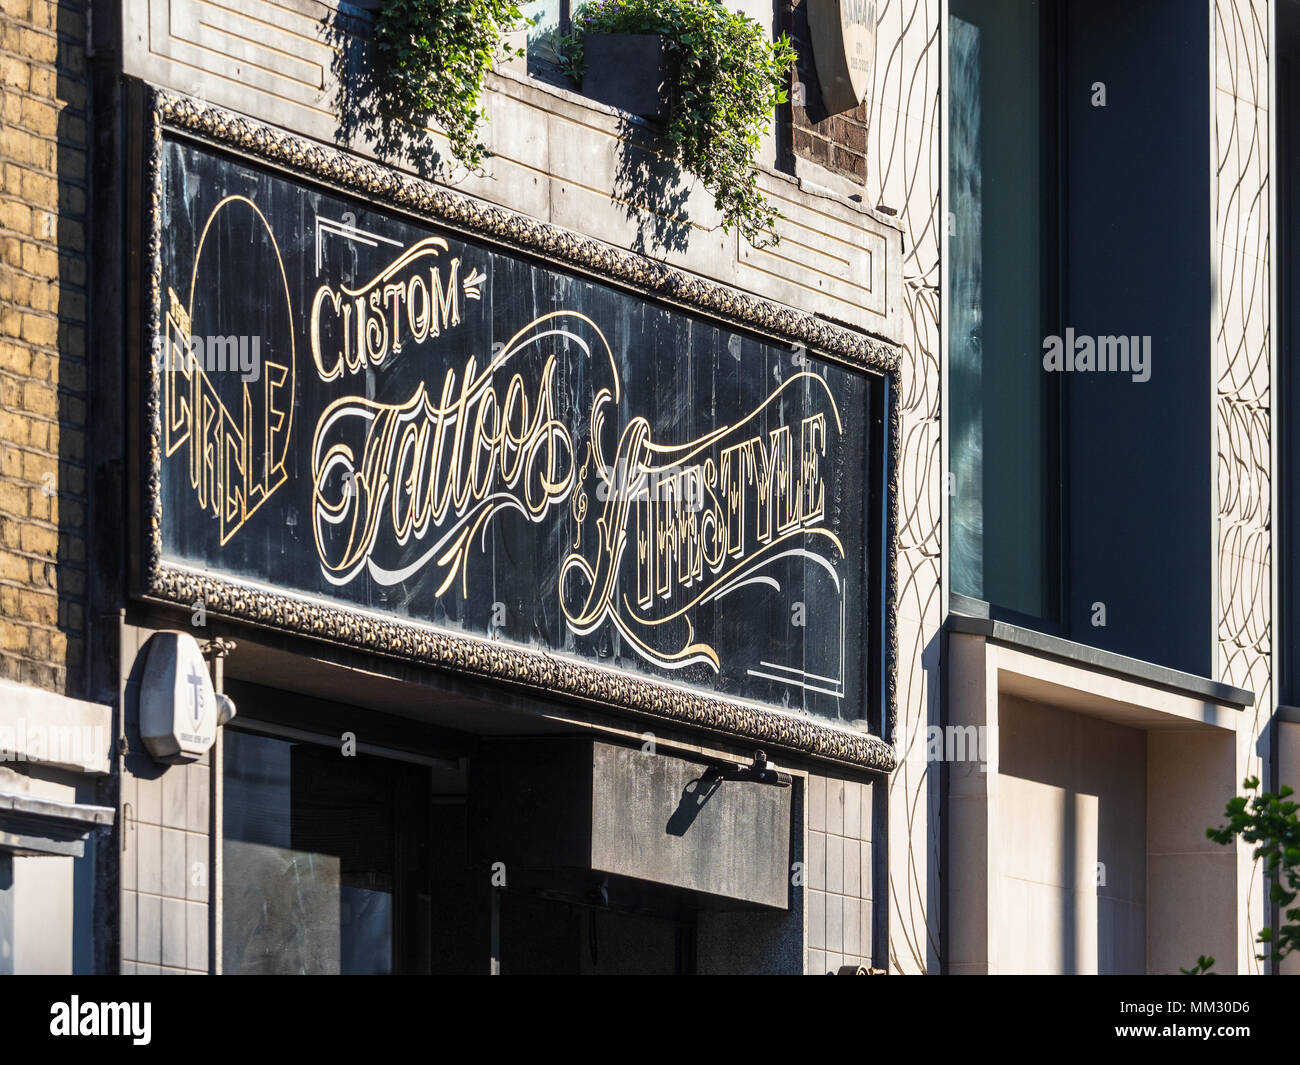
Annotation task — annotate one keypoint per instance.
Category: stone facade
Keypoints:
(1243, 368)
(841, 878)
(861, 193)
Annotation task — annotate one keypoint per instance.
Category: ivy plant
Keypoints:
(1269, 821)
(728, 78)
(432, 57)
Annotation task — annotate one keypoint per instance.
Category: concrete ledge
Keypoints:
(1055, 798)
(30, 826)
(1095, 658)
(556, 156)
(43, 728)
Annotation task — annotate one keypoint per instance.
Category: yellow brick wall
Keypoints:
(43, 292)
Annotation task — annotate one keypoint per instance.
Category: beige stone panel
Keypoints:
(1191, 778)
(1241, 48)
(906, 78)
(968, 879)
(43, 901)
(1047, 835)
(1191, 911)
(1241, 148)
(1043, 929)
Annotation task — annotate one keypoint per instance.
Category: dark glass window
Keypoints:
(1003, 283)
(547, 21)
(324, 860)
(1287, 190)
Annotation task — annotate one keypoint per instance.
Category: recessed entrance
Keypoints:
(356, 844)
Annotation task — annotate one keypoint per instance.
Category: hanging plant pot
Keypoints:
(711, 75)
(628, 71)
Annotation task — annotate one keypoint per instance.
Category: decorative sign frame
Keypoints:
(171, 117)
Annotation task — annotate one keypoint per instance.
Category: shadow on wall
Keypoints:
(651, 191)
(396, 141)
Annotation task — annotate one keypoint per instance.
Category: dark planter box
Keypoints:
(628, 71)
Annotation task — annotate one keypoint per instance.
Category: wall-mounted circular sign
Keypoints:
(844, 48)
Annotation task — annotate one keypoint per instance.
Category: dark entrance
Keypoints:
(346, 856)
(326, 860)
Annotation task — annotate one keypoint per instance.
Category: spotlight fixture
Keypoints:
(757, 772)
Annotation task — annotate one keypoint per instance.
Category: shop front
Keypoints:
(545, 580)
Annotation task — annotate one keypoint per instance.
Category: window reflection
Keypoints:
(1002, 302)
(310, 853)
(547, 20)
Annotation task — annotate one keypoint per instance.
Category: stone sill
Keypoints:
(816, 186)
(26, 711)
(32, 827)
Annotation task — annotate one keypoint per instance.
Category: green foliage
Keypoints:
(1269, 821)
(1201, 968)
(432, 56)
(729, 78)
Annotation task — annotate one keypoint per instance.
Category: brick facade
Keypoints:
(43, 321)
(837, 142)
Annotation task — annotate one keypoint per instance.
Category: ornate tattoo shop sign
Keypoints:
(370, 424)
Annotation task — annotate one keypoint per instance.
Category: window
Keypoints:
(1003, 299)
(547, 21)
(325, 860)
(1287, 190)
(1079, 197)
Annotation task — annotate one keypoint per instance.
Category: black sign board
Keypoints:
(357, 407)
